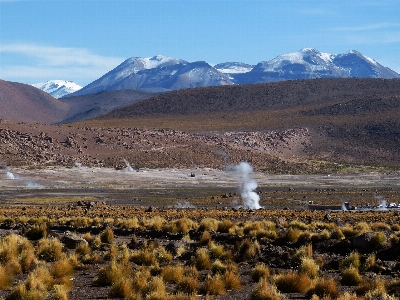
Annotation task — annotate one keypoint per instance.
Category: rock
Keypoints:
(363, 242)
(71, 241)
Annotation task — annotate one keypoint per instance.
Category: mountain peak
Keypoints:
(58, 88)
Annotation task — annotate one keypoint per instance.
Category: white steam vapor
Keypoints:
(128, 165)
(248, 185)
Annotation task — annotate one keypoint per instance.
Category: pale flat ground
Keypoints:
(66, 178)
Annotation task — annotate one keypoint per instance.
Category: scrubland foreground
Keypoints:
(86, 251)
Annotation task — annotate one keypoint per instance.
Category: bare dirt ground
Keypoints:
(169, 186)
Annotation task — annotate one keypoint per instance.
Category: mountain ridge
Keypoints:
(161, 73)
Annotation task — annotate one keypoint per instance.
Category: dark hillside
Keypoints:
(255, 97)
(92, 105)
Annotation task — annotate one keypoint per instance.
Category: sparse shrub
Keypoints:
(109, 275)
(191, 272)
(83, 249)
(208, 224)
(155, 223)
(37, 232)
(39, 279)
(362, 227)
(218, 267)
(324, 287)
(353, 260)
(337, 234)
(182, 225)
(309, 267)
(348, 231)
(225, 225)
(395, 227)
(292, 235)
(232, 281)
(305, 237)
(260, 271)
(218, 251)
(22, 292)
(378, 294)
(202, 259)
(350, 276)
(292, 282)
(140, 279)
(162, 255)
(143, 257)
(121, 289)
(348, 296)
(60, 292)
(378, 239)
(302, 252)
(214, 285)
(380, 226)
(155, 290)
(369, 285)
(265, 291)
(299, 225)
(6, 278)
(248, 250)
(369, 262)
(172, 274)
(107, 235)
(96, 243)
(49, 249)
(189, 285)
(205, 239)
(61, 268)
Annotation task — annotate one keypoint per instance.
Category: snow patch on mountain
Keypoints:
(58, 88)
(233, 67)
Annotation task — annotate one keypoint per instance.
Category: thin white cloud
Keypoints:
(55, 62)
(368, 27)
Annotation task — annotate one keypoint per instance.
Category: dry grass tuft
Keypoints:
(350, 276)
(292, 282)
(202, 259)
(260, 271)
(107, 235)
(214, 285)
(309, 267)
(265, 291)
(324, 287)
(49, 249)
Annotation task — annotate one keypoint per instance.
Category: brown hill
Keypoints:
(22, 102)
(92, 105)
(298, 94)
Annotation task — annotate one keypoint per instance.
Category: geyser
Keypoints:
(248, 185)
(128, 165)
(9, 174)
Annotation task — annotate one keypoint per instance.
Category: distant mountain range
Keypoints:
(161, 73)
(58, 88)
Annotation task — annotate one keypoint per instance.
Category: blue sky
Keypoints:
(81, 40)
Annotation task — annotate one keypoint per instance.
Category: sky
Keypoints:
(81, 40)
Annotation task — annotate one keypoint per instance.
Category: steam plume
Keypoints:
(248, 185)
(128, 165)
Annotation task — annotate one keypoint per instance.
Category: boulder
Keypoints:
(72, 241)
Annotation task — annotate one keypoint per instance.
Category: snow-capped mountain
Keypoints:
(157, 74)
(310, 63)
(58, 88)
(234, 67)
(161, 73)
